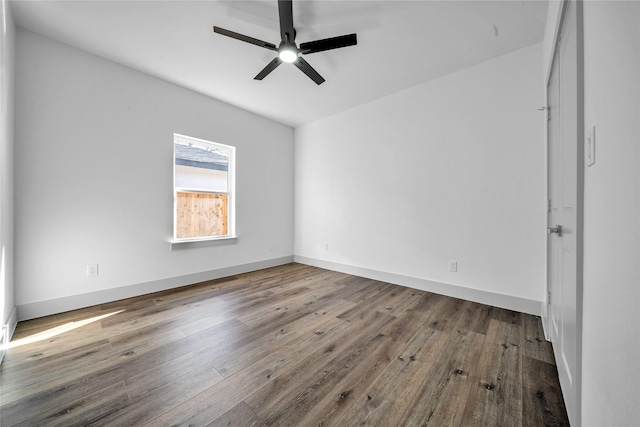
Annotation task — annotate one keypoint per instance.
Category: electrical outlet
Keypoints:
(272, 246)
(453, 266)
(92, 270)
(326, 246)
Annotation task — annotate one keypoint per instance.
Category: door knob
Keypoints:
(555, 230)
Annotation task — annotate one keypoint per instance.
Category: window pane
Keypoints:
(200, 166)
(203, 188)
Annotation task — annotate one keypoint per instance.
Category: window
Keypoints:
(203, 189)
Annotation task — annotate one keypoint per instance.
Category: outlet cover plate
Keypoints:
(453, 266)
(92, 270)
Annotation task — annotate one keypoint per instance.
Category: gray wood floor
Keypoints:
(292, 345)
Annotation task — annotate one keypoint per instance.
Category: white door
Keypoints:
(565, 189)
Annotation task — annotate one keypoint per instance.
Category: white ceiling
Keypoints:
(400, 44)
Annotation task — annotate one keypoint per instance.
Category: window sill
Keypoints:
(202, 243)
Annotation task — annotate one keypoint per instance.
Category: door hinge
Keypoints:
(548, 205)
(549, 297)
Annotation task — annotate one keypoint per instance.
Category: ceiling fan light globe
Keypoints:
(288, 55)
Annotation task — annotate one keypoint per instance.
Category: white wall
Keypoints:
(7, 74)
(611, 310)
(450, 169)
(94, 157)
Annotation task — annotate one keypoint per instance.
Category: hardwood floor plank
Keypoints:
(272, 306)
(386, 399)
(143, 408)
(476, 317)
(446, 314)
(144, 381)
(354, 288)
(272, 325)
(233, 361)
(50, 342)
(150, 336)
(39, 364)
(291, 395)
(542, 401)
(507, 316)
(443, 395)
(289, 299)
(223, 323)
(33, 326)
(288, 345)
(320, 279)
(371, 291)
(279, 271)
(83, 411)
(148, 316)
(67, 374)
(139, 359)
(399, 301)
(274, 277)
(106, 367)
(497, 393)
(359, 373)
(238, 416)
(535, 345)
(57, 397)
(220, 398)
(439, 312)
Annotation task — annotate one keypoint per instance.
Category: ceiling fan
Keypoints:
(288, 51)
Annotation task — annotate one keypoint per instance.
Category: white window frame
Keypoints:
(231, 192)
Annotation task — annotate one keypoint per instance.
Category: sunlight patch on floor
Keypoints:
(49, 333)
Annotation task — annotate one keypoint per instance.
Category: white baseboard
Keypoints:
(73, 302)
(59, 305)
(508, 302)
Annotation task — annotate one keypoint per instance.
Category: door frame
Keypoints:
(574, 400)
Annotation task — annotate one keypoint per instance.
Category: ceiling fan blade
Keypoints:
(269, 68)
(328, 44)
(308, 70)
(285, 10)
(244, 38)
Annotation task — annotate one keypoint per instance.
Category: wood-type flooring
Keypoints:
(292, 345)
